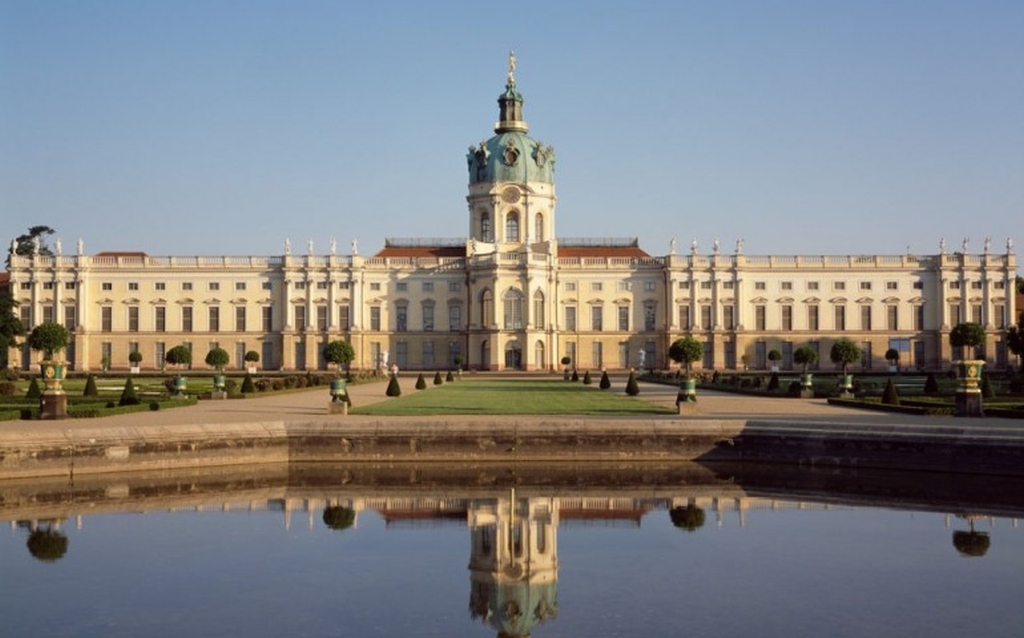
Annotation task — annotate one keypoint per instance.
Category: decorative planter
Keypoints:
(687, 391)
(251, 369)
(180, 384)
(339, 393)
(806, 380)
(53, 373)
(968, 393)
(219, 380)
(135, 369)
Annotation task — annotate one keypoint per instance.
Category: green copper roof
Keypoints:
(512, 156)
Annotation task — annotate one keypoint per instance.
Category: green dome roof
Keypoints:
(511, 156)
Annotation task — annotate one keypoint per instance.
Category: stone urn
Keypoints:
(339, 397)
(180, 385)
(219, 381)
(968, 392)
(53, 373)
(54, 401)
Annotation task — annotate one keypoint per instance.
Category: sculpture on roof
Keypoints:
(942, 245)
(287, 246)
(511, 68)
(355, 246)
(1009, 245)
(988, 244)
(672, 246)
(333, 246)
(81, 246)
(309, 246)
(58, 246)
(716, 246)
(739, 246)
(693, 246)
(963, 245)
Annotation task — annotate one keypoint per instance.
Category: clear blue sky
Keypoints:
(222, 127)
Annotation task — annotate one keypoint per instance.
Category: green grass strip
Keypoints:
(512, 397)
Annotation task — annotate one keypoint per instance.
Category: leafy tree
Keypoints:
(10, 325)
(805, 356)
(605, 381)
(1020, 285)
(179, 356)
(844, 352)
(1015, 337)
(890, 396)
(339, 518)
(421, 383)
(967, 335)
(632, 387)
(128, 396)
(340, 353)
(47, 545)
(448, 377)
(686, 351)
(892, 355)
(774, 355)
(252, 356)
(49, 337)
(394, 390)
(690, 518)
(25, 244)
(135, 357)
(217, 358)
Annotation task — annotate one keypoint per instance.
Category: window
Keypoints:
(812, 285)
(513, 309)
(454, 350)
(623, 318)
(239, 318)
(705, 285)
(787, 318)
(538, 232)
(454, 286)
(401, 286)
(266, 285)
(570, 286)
(838, 285)
(760, 285)
(267, 318)
(999, 285)
(428, 286)
(47, 285)
(865, 285)
(705, 317)
(160, 318)
(684, 317)
(48, 312)
(892, 285)
(375, 318)
(622, 286)
(27, 285)
(70, 318)
(512, 227)
(160, 286)
(786, 285)
(760, 313)
(650, 286)
(186, 318)
(105, 286)
(187, 285)
(538, 310)
(840, 317)
(487, 308)
(428, 354)
(402, 354)
(159, 354)
(596, 318)
(213, 313)
(650, 315)
(729, 285)
(892, 317)
(976, 313)
(132, 285)
(919, 317)
(865, 317)
(300, 318)
(375, 287)
(918, 285)
(239, 286)
(976, 285)
(955, 314)
(25, 314)
(323, 285)
(813, 322)
(596, 286)
(684, 285)
(1000, 316)
(322, 318)
(344, 318)
(485, 227)
(301, 285)
(954, 285)
(597, 355)
(729, 317)
(133, 318)
(454, 317)
(570, 318)
(213, 285)
(428, 316)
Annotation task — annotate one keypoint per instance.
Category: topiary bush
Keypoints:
(338, 518)
(33, 391)
(394, 390)
(247, 385)
(773, 383)
(154, 406)
(632, 387)
(575, 376)
(449, 377)
(890, 396)
(794, 390)
(90, 387)
(128, 396)
(605, 381)
(7, 389)
(586, 378)
(421, 383)
(987, 392)
(931, 384)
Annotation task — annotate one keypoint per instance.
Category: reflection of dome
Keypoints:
(511, 155)
(513, 609)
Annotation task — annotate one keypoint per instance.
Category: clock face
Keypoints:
(510, 194)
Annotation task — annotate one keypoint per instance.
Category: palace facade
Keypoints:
(511, 295)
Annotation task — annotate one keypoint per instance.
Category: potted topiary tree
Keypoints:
(340, 353)
(892, 355)
(251, 359)
(217, 358)
(774, 356)
(134, 358)
(51, 338)
(179, 356)
(565, 364)
(844, 352)
(968, 337)
(458, 365)
(685, 351)
(806, 356)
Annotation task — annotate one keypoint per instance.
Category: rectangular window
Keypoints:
(918, 285)
(300, 318)
(323, 285)
(70, 285)
(999, 285)
(159, 354)
(48, 312)
(375, 287)
(760, 317)
(401, 318)
(240, 319)
(623, 286)
(919, 317)
(865, 285)
(976, 285)
(240, 355)
(729, 285)
(213, 286)
(787, 285)
(838, 285)
(47, 285)
(266, 285)
(239, 286)
(133, 318)
(301, 285)
(760, 285)
(402, 354)
(133, 286)
(623, 354)
(705, 285)
(812, 285)
(428, 317)
(375, 318)
(106, 286)
(597, 355)
(401, 286)
(892, 285)
(186, 286)
(955, 314)
(428, 286)
(650, 286)
(840, 317)
(787, 318)
(428, 354)
(684, 285)
(570, 286)
(892, 317)
(160, 318)
(705, 317)
(70, 318)
(454, 286)
(865, 355)
(538, 312)
(623, 318)
(159, 286)
(106, 351)
(570, 318)
(596, 318)
(213, 318)
(267, 318)
(454, 317)
(729, 317)
(650, 316)
(596, 286)
(976, 313)
(954, 285)
(865, 317)
(813, 322)
(1000, 316)
(684, 317)
(321, 318)
(186, 318)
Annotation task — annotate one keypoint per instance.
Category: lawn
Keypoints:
(505, 396)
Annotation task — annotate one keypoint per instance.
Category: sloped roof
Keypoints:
(601, 251)
(118, 253)
(422, 251)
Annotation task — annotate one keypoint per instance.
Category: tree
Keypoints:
(252, 356)
(10, 325)
(892, 355)
(394, 390)
(135, 357)
(844, 352)
(25, 244)
(805, 356)
(690, 518)
(179, 356)
(338, 518)
(1015, 337)
(217, 358)
(632, 387)
(774, 356)
(437, 378)
(47, 545)
(128, 396)
(248, 387)
(586, 378)
(421, 383)
(90, 387)
(685, 351)
(890, 396)
(605, 381)
(49, 337)
(340, 353)
(967, 335)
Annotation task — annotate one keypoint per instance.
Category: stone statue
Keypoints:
(58, 247)
(672, 246)
(35, 245)
(693, 246)
(988, 244)
(334, 246)
(963, 245)
(1009, 245)
(14, 247)
(355, 246)
(717, 246)
(287, 246)
(942, 245)
(641, 357)
(309, 246)
(739, 246)
(512, 68)
(81, 246)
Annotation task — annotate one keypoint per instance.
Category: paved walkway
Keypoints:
(311, 405)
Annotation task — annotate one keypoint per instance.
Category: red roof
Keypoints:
(118, 253)
(422, 251)
(601, 251)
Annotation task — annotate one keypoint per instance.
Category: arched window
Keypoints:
(485, 226)
(538, 355)
(538, 310)
(513, 307)
(486, 308)
(538, 227)
(512, 226)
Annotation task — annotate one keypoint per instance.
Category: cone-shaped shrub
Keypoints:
(437, 378)
(890, 396)
(575, 376)
(586, 378)
(394, 390)
(90, 387)
(449, 377)
(773, 383)
(33, 390)
(605, 381)
(987, 392)
(632, 387)
(128, 396)
(247, 385)
(931, 386)
(421, 383)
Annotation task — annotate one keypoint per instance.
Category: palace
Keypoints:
(513, 296)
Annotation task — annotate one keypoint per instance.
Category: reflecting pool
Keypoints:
(486, 551)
